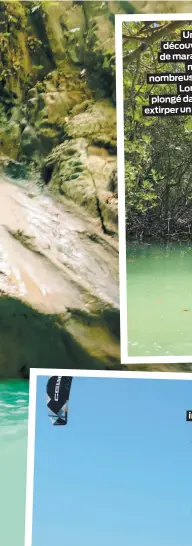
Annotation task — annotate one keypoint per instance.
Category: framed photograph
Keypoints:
(154, 126)
(117, 469)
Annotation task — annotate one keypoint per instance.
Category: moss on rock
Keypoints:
(63, 81)
(97, 124)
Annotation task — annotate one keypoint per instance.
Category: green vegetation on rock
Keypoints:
(57, 87)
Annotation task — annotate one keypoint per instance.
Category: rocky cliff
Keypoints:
(58, 250)
(57, 84)
(57, 112)
(59, 304)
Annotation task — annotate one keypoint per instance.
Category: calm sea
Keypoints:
(14, 397)
(159, 283)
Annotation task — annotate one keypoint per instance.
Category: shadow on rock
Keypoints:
(30, 339)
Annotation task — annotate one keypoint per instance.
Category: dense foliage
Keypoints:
(158, 150)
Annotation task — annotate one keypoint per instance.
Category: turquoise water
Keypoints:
(13, 459)
(159, 294)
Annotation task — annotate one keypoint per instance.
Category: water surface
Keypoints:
(13, 459)
(159, 294)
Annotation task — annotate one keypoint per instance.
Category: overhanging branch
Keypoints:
(157, 35)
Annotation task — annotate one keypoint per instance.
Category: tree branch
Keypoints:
(160, 33)
(130, 38)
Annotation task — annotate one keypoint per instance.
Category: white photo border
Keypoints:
(34, 373)
(119, 20)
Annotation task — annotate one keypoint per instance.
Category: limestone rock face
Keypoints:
(29, 141)
(97, 124)
(82, 172)
(60, 91)
(162, 7)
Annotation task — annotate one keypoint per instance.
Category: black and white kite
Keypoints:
(58, 391)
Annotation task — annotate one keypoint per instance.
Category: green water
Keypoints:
(159, 294)
(13, 458)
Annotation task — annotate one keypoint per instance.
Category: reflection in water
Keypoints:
(159, 282)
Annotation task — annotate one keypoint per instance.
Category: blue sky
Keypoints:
(120, 472)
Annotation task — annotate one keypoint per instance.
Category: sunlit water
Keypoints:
(159, 282)
(13, 459)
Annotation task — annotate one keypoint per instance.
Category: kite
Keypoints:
(58, 392)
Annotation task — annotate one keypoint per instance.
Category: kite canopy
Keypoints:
(58, 391)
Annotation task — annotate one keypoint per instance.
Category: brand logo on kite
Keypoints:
(57, 386)
(189, 415)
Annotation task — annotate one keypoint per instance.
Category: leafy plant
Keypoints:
(158, 165)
